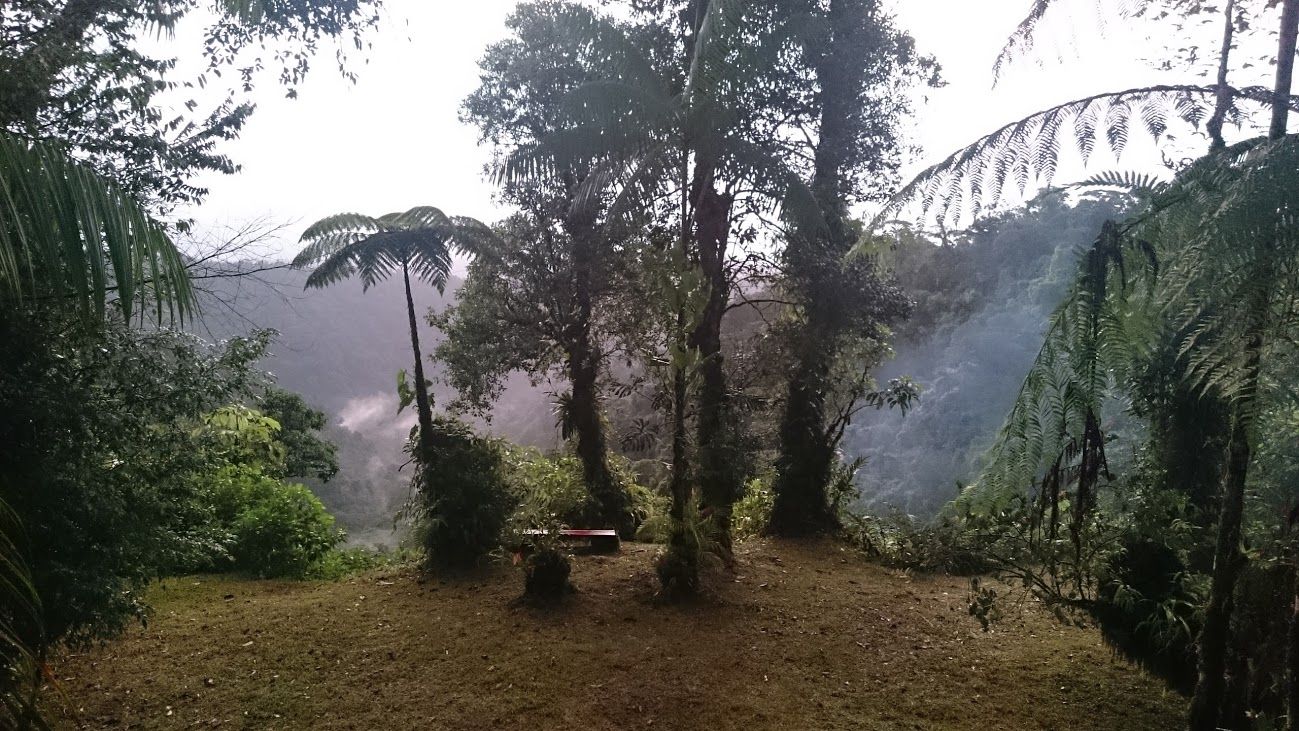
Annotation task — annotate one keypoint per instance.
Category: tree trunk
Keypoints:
(678, 569)
(583, 374)
(1292, 647)
(423, 403)
(591, 448)
(720, 474)
(1206, 704)
(1284, 68)
(806, 459)
(1214, 126)
(803, 467)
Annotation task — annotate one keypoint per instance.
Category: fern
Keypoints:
(422, 239)
(1022, 152)
(1212, 244)
(1144, 184)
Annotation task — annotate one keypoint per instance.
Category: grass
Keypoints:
(803, 636)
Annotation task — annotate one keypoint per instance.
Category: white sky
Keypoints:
(393, 140)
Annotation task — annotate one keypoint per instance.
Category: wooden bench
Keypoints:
(600, 540)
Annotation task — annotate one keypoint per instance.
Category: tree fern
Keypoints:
(1219, 237)
(1023, 39)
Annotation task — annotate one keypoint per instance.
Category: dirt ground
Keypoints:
(803, 636)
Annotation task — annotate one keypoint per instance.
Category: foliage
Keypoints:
(306, 454)
(421, 240)
(551, 493)
(67, 233)
(282, 532)
(460, 501)
(981, 297)
(418, 242)
(341, 563)
(692, 540)
(264, 526)
(98, 424)
(545, 574)
(80, 73)
(22, 641)
(899, 540)
(753, 511)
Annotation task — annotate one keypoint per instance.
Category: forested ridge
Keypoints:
(730, 416)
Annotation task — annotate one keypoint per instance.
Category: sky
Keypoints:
(393, 139)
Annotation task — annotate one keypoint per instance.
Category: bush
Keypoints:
(263, 526)
(98, 457)
(341, 563)
(551, 492)
(460, 500)
(284, 533)
(752, 512)
(545, 575)
(944, 546)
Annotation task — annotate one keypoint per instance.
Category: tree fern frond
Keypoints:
(1130, 180)
(1027, 148)
(1023, 39)
(422, 240)
(340, 223)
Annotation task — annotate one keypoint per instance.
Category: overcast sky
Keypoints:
(393, 139)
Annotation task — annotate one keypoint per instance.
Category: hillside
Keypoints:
(802, 637)
(981, 304)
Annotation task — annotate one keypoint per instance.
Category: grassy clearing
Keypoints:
(805, 636)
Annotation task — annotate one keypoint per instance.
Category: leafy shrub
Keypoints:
(945, 546)
(545, 574)
(99, 457)
(460, 500)
(751, 512)
(263, 526)
(552, 493)
(284, 533)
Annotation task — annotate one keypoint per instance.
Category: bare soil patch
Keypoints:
(803, 636)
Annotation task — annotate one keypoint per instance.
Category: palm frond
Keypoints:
(68, 233)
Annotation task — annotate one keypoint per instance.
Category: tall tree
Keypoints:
(862, 65)
(561, 251)
(1276, 238)
(520, 310)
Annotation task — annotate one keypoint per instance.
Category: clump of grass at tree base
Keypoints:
(692, 544)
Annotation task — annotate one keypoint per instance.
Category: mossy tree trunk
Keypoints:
(720, 479)
(806, 459)
(583, 365)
